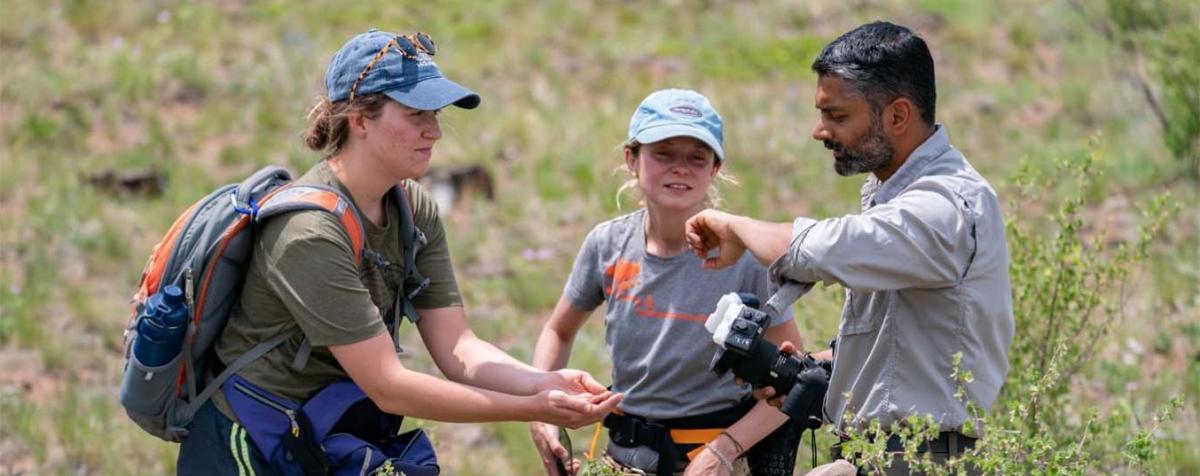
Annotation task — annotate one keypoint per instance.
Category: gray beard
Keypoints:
(874, 154)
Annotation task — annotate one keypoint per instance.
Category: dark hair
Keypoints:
(328, 125)
(883, 61)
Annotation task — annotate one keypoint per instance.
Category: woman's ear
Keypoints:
(631, 162)
(716, 167)
(357, 123)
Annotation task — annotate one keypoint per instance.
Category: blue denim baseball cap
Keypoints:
(678, 112)
(412, 79)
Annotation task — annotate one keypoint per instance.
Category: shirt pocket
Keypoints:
(863, 312)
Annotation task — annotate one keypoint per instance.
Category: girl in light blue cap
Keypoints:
(677, 415)
(377, 127)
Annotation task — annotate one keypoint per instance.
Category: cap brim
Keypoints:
(655, 134)
(435, 93)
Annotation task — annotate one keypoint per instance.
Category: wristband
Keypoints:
(736, 446)
(722, 458)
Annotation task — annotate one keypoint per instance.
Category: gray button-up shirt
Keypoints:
(925, 267)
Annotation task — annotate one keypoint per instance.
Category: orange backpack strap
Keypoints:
(156, 265)
(315, 197)
(308, 197)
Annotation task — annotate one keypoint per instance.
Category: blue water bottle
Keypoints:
(161, 326)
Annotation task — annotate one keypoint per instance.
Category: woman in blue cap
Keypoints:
(658, 297)
(377, 126)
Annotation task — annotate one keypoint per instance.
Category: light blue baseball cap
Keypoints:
(671, 113)
(407, 75)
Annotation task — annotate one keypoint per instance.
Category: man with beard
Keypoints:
(925, 265)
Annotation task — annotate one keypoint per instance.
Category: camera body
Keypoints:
(737, 327)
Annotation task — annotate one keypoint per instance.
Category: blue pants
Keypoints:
(217, 445)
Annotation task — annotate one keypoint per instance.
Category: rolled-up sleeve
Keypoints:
(919, 239)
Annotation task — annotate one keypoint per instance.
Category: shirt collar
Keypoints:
(914, 167)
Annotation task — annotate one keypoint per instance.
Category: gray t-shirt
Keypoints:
(654, 321)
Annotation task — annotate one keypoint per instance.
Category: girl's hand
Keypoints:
(768, 393)
(551, 451)
(707, 463)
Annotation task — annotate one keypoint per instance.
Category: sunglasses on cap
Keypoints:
(406, 45)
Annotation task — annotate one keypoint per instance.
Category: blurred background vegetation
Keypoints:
(115, 115)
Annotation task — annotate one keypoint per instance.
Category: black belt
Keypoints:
(632, 430)
(947, 442)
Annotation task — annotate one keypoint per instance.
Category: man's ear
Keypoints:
(898, 116)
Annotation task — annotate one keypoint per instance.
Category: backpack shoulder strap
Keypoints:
(413, 282)
(310, 197)
(243, 195)
(286, 198)
(316, 197)
(213, 386)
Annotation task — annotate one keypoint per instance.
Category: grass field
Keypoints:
(203, 93)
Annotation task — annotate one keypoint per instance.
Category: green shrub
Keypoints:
(1068, 290)
(1164, 41)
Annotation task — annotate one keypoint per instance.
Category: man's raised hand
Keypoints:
(712, 229)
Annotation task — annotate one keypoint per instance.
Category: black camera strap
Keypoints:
(777, 305)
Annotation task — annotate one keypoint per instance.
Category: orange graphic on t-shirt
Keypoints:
(624, 276)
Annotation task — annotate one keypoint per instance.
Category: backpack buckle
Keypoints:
(247, 209)
(424, 283)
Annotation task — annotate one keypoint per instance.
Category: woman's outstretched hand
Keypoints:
(571, 381)
(574, 410)
(574, 399)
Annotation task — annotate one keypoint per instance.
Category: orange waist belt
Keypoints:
(698, 436)
(682, 436)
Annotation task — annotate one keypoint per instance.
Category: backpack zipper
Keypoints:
(366, 466)
(187, 287)
(291, 414)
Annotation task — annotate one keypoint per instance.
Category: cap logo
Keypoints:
(686, 110)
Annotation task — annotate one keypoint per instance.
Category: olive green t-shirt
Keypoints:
(302, 277)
